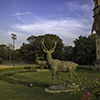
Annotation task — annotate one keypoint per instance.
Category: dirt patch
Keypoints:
(16, 65)
(42, 70)
(5, 66)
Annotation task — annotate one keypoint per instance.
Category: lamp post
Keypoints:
(14, 37)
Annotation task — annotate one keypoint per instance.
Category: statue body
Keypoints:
(57, 65)
(60, 66)
(42, 64)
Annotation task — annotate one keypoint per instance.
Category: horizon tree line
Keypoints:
(83, 52)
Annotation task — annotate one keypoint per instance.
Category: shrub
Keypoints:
(82, 67)
(1, 60)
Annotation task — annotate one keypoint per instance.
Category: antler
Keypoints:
(37, 54)
(44, 48)
(52, 50)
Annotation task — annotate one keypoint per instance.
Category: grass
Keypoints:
(11, 91)
(20, 92)
(45, 77)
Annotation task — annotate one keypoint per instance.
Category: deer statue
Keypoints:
(42, 64)
(57, 65)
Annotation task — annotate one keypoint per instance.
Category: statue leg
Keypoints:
(40, 66)
(46, 66)
(57, 77)
(43, 66)
(77, 78)
(70, 76)
(52, 77)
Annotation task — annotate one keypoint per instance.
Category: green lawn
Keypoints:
(20, 92)
(45, 77)
(10, 91)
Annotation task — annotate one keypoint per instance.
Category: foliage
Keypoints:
(10, 51)
(84, 51)
(3, 51)
(6, 52)
(1, 60)
(92, 93)
(28, 51)
(67, 53)
(82, 67)
(86, 97)
(95, 91)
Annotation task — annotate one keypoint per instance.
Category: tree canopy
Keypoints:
(29, 50)
(3, 51)
(84, 51)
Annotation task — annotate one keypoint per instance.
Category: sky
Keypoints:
(68, 19)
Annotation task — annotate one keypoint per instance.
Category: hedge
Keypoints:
(1, 60)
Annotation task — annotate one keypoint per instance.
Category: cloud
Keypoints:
(76, 10)
(67, 29)
(68, 26)
(18, 14)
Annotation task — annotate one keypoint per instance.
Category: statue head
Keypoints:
(46, 50)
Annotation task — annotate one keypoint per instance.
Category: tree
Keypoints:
(1, 60)
(67, 53)
(10, 50)
(84, 51)
(3, 51)
(29, 50)
(49, 42)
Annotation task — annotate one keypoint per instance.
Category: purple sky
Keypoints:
(66, 18)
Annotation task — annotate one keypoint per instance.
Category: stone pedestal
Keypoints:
(97, 65)
(60, 88)
(96, 28)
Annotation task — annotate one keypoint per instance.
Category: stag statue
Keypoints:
(57, 65)
(42, 64)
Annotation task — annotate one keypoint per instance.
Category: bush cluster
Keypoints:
(1, 60)
(82, 67)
